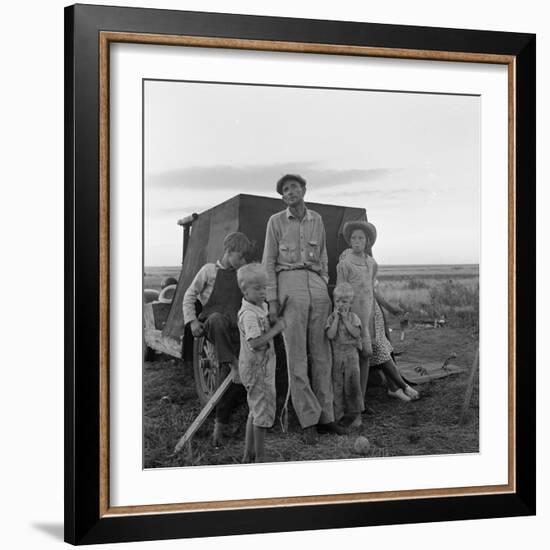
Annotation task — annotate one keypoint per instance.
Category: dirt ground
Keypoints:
(424, 427)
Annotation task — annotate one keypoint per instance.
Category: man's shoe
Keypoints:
(310, 436)
(331, 428)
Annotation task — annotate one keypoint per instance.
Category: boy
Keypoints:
(344, 330)
(257, 359)
(216, 287)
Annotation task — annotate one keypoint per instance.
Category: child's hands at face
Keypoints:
(342, 305)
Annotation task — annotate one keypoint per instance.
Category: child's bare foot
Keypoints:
(356, 422)
(412, 393)
(399, 394)
(310, 435)
(220, 433)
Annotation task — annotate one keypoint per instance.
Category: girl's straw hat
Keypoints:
(367, 227)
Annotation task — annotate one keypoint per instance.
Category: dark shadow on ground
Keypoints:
(54, 530)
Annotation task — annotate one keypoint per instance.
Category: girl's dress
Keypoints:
(381, 347)
(359, 272)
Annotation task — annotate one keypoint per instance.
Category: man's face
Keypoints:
(293, 193)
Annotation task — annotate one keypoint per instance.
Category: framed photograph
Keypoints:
(300, 274)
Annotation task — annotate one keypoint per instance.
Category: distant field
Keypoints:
(425, 292)
(428, 271)
(153, 275)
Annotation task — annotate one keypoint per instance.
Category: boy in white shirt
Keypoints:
(257, 359)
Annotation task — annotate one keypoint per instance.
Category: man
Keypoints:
(216, 287)
(295, 258)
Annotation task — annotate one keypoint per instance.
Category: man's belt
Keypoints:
(296, 267)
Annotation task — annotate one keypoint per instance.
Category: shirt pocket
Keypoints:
(312, 251)
(287, 253)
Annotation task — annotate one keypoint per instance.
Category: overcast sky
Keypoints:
(411, 160)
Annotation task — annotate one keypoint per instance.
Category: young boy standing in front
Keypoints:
(257, 359)
(344, 330)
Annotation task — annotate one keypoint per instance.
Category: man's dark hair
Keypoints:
(289, 177)
(237, 242)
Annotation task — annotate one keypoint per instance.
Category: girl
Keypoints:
(358, 267)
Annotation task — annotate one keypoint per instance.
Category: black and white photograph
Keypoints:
(303, 286)
(311, 267)
(275, 275)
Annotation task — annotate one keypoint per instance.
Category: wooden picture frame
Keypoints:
(89, 32)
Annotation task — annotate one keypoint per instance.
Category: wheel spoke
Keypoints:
(208, 372)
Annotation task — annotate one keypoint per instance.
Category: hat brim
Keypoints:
(286, 178)
(368, 228)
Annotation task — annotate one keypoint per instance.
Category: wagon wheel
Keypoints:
(205, 368)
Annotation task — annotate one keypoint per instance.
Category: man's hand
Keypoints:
(235, 373)
(280, 324)
(366, 350)
(197, 328)
(273, 311)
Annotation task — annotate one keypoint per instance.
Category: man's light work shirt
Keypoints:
(291, 244)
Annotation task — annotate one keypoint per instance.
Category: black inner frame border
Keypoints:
(83, 523)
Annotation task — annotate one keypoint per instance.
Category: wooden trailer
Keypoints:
(202, 243)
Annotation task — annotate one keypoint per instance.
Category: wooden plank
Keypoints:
(203, 415)
(469, 388)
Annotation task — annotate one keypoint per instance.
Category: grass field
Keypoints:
(425, 427)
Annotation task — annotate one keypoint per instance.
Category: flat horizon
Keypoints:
(379, 265)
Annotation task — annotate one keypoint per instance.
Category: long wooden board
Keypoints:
(203, 415)
(469, 389)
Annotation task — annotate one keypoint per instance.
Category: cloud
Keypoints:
(387, 193)
(259, 178)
